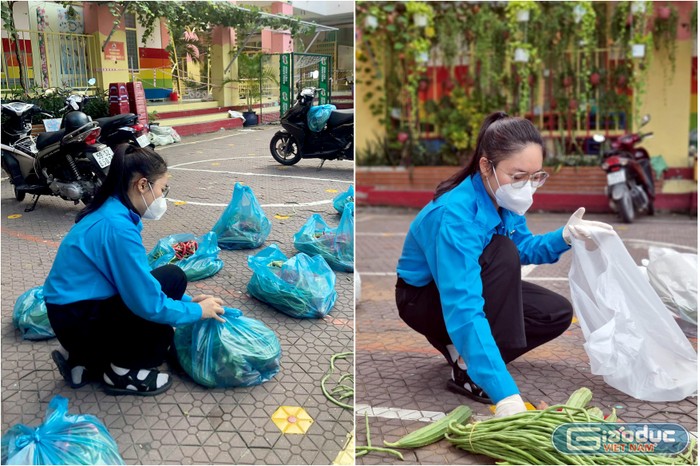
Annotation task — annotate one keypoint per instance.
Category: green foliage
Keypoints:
(97, 106)
(664, 35)
(202, 15)
(457, 118)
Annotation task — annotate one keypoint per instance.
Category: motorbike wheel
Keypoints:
(626, 208)
(285, 149)
(19, 195)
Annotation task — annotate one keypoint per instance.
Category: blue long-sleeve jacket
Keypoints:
(102, 256)
(444, 244)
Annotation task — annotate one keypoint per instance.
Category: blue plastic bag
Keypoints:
(243, 225)
(239, 353)
(335, 245)
(318, 116)
(203, 263)
(30, 316)
(343, 198)
(302, 287)
(62, 439)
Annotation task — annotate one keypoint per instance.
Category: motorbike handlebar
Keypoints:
(646, 135)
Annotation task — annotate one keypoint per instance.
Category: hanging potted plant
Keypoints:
(519, 11)
(665, 32)
(421, 12)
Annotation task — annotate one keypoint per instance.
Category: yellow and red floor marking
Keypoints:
(292, 419)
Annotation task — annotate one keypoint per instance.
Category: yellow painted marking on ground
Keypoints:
(331, 190)
(621, 227)
(347, 454)
(282, 167)
(528, 405)
(13, 216)
(216, 164)
(281, 217)
(292, 419)
(180, 203)
(574, 320)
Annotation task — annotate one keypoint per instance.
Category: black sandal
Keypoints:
(459, 385)
(65, 368)
(145, 387)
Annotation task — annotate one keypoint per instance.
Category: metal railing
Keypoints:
(49, 59)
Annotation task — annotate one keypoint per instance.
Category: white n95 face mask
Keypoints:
(157, 208)
(515, 200)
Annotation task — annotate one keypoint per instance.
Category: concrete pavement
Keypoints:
(190, 424)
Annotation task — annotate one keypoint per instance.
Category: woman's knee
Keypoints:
(173, 281)
(562, 312)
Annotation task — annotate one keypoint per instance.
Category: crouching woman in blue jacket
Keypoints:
(459, 281)
(112, 314)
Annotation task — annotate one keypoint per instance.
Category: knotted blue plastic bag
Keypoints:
(30, 317)
(335, 245)
(318, 116)
(238, 353)
(203, 263)
(343, 198)
(302, 287)
(62, 439)
(243, 225)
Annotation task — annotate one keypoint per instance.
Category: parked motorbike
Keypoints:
(116, 129)
(69, 163)
(296, 141)
(630, 181)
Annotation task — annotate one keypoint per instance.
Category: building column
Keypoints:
(278, 42)
(223, 44)
(109, 65)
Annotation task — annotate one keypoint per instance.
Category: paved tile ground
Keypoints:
(191, 424)
(397, 368)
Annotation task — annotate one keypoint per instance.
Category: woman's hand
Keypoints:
(202, 297)
(211, 308)
(582, 229)
(509, 406)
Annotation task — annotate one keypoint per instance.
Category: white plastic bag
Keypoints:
(163, 135)
(673, 275)
(631, 339)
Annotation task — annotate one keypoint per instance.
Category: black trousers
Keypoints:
(98, 332)
(522, 316)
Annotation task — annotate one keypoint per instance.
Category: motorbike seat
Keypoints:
(46, 139)
(338, 118)
(112, 123)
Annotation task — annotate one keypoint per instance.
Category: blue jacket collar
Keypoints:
(124, 210)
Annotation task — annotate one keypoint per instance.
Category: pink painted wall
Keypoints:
(282, 8)
(98, 18)
(164, 34)
(684, 10)
(266, 39)
(281, 43)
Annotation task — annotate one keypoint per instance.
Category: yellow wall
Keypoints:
(668, 101)
(111, 71)
(368, 129)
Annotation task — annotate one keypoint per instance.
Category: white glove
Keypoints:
(579, 228)
(510, 405)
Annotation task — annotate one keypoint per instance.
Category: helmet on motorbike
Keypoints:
(75, 120)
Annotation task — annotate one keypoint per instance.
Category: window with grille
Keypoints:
(132, 46)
